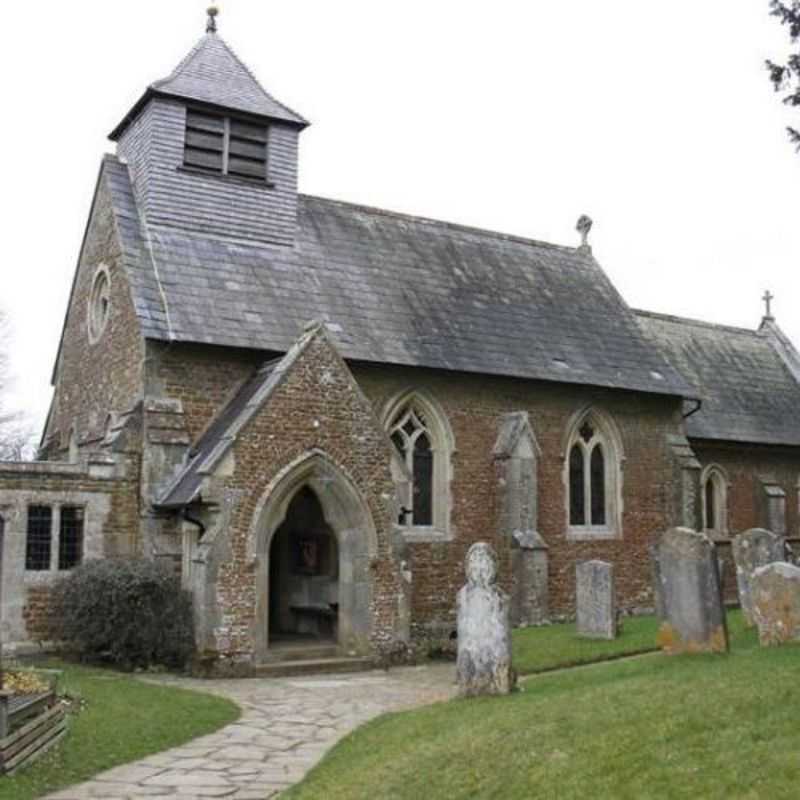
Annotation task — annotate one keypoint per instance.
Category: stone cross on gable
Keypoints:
(583, 227)
(768, 298)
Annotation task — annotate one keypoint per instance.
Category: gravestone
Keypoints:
(776, 602)
(753, 549)
(688, 593)
(594, 600)
(484, 628)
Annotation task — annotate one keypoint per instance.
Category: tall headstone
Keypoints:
(688, 593)
(776, 602)
(484, 628)
(594, 600)
(753, 549)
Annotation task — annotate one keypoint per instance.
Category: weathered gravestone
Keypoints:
(776, 602)
(594, 600)
(484, 628)
(688, 594)
(753, 549)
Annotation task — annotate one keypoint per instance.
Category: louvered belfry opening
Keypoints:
(225, 145)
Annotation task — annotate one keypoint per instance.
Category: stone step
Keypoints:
(310, 666)
(303, 653)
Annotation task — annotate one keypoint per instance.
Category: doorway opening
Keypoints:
(303, 576)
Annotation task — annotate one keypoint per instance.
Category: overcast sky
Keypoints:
(656, 119)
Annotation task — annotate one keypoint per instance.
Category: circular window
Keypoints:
(99, 305)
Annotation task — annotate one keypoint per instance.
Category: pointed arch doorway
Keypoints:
(315, 540)
(304, 575)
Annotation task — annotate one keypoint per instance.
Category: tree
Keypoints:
(16, 434)
(786, 77)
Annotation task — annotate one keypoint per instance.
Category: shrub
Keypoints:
(129, 611)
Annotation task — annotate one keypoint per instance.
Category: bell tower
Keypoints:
(211, 151)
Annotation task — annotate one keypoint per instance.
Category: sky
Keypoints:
(656, 119)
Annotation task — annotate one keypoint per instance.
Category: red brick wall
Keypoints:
(473, 405)
(93, 380)
(745, 466)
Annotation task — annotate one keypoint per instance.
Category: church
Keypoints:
(311, 409)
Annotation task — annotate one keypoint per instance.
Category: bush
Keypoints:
(131, 612)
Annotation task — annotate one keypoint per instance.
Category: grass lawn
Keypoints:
(554, 646)
(124, 719)
(657, 727)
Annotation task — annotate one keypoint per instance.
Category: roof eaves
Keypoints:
(153, 92)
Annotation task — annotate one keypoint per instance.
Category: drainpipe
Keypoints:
(193, 521)
(695, 409)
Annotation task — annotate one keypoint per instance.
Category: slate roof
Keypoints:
(395, 289)
(748, 392)
(219, 436)
(212, 73)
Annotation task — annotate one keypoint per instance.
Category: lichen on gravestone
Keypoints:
(596, 613)
(484, 628)
(776, 603)
(752, 549)
(688, 593)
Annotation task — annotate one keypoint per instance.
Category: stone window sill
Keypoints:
(423, 534)
(589, 534)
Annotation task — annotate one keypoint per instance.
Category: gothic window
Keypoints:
(593, 480)
(420, 434)
(714, 499)
(99, 304)
(223, 145)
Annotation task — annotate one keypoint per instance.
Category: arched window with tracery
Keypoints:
(421, 436)
(593, 477)
(714, 486)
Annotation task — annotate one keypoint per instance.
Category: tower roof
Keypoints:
(213, 74)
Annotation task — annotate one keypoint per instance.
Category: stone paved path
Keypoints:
(286, 726)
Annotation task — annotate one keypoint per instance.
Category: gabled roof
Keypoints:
(213, 74)
(749, 393)
(402, 290)
(220, 435)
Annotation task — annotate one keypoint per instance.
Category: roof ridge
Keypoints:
(640, 312)
(511, 237)
(181, 65)
(257, 82)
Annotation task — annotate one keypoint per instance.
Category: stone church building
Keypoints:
(312, 408)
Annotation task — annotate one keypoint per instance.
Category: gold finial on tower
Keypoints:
(211, 25)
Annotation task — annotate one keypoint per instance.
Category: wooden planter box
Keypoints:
(29, 726)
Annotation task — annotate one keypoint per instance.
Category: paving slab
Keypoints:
(286, 726)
